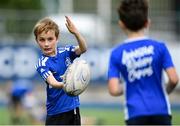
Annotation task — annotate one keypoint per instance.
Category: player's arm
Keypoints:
(115, 87)
(80, 39)
(53, 82)
(173, 79)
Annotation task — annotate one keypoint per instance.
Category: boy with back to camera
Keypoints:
(140, 61)
(61, 108)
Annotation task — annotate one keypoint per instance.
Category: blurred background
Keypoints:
(97, 21)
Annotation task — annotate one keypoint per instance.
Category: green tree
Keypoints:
(19, 16)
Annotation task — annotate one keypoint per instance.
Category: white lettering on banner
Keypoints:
(25, 60)
(138, 62)
(6, 63)
(18, 62)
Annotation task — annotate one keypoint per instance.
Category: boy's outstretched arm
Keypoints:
(81, 41)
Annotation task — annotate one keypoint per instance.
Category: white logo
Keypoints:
(138, 62)
(68, 61)
(42, 70)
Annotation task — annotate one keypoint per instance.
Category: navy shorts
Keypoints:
(150, 120)
(67, 118)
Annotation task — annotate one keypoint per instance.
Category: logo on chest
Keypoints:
(68, 61)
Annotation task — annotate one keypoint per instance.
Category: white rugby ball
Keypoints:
(77, 77)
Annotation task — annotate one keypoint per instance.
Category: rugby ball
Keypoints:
(76, 78)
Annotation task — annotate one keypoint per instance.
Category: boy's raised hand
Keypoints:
(70, 26)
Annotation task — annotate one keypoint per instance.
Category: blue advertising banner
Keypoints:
(18, 61)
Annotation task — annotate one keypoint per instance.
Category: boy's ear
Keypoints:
(148, 23)
(121, 24)
(36, 39)
(57, 38)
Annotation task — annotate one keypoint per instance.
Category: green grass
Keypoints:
(116, 116)
(176, 117)
(93, 116)
(103, 116)
(4, 116)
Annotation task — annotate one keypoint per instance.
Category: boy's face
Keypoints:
(47, 41)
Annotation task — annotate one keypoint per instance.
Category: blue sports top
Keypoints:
(57, 100)
(20, 87)
(140, 62)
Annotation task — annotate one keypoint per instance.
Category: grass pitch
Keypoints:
(91, 116)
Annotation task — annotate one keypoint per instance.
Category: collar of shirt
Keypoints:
(135, 39)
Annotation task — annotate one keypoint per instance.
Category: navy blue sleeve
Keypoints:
(71, 51)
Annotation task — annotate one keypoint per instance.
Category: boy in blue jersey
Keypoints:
(140, 61)
(20, 88)
(62, 109)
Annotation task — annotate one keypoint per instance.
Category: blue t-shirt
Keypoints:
(140, 62)
(20, 87)
(57, 100)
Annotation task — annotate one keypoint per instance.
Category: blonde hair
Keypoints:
(44, 25)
